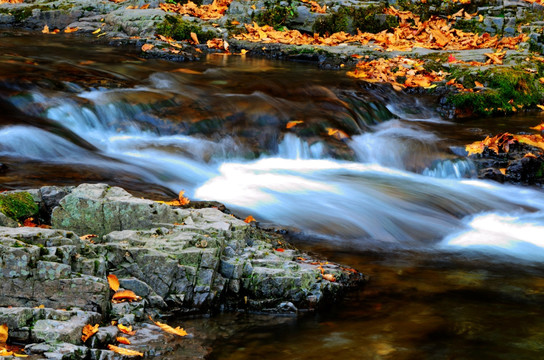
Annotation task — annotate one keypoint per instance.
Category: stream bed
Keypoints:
(366, 177)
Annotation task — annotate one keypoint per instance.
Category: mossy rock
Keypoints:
(179, 29)
(18, 205)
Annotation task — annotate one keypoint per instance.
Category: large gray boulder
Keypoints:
(100, 209)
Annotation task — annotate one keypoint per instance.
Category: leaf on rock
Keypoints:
(195, 38)
(147, 47)
(539, 127)
(329, 277)
(126, 329)
(167, 328)
(70, 29)
(124, 295)
(123, 340)
(541, 107)
(478, 84)
(88, 331)
(182, 199)
(3, 334)
(124, 351)
(249, 219)
(113, 282)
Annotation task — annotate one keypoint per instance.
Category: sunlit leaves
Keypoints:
(113, 282)
(206, 12)
(88, 331)
(501, 143)
(124, 351)
(329, 277)
(3, 334)
(539, 127)
(167, 328)
(123, 340)
(180, 201)
(293, 123)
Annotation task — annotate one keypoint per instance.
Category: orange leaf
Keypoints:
(124, 295)
(70, 29)
(195, 38)
(167, 328)
(126, 329)
(293, 123)
(124, 351)
(147, 47)
(123, 340)
(279, 250)
(478, 84)
(249, 219)
(539, 127)
(234, 22)
(329, 277)
(89, 331)
(503, 171)
(530, 155)
(113, 281)
(182, 199)
(3, 334)
(143, 7)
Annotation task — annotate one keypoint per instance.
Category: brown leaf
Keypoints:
(124, 295)
(124, 351)
(113, 282)
(88, 331)
(167, 328)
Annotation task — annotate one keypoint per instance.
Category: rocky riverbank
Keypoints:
(176, 260)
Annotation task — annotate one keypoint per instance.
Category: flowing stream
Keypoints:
(455, 262)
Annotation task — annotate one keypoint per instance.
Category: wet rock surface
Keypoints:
(177, 260)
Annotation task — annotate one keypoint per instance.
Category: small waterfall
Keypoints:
(292, 147)
(456, 169)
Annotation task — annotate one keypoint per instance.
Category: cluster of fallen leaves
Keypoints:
(125, 295)
(67, 30)
(206, 12)
(390, 70)
(435, 33)
(501, 143)
(180, 201)
(12, 1)
(4, 348)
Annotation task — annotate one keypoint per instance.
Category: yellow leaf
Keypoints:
(293, 123)
(45, 29)
(123, 340)
(480, 18)
(97, 31)
(539, 127)
(3, 334)
(5, 352)
(243, 51)
(503, 171)
(253, 7)
(541, 80)
(126, 329)
(124, 351)
(167, 328)
(113, 282)
(89, 331)
(541, 107)
(70, 29)
(20, 355)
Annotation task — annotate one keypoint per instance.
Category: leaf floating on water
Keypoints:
(88, 331)
(147, 47)
(293, 123)
(167, 328)
(124, 295)
(126, 329)
(113, 282)
(123, 340)
(249, 219)
(124, 351)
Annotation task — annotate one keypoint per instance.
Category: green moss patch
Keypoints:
(180, 29)
(367, 19)
(506, 89)
(276, 14)
(18, 206)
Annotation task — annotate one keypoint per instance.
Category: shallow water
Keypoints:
(455, 262)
